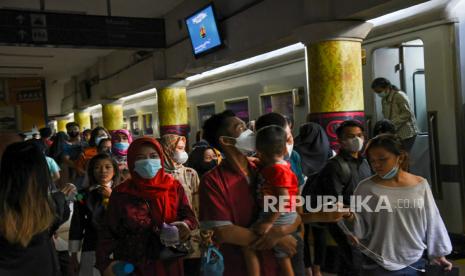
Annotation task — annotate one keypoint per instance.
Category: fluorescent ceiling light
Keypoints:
(404, 13)
(246, 62)
(94, 108)
(140, 94)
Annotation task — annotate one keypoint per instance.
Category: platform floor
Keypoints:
(64, 231)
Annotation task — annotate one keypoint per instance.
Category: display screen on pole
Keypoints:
(203, 31)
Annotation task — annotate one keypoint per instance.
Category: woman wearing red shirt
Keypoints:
(138, 211)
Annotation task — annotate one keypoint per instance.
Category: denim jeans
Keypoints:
(377, 270)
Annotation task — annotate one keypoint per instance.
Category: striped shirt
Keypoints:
(397, 108)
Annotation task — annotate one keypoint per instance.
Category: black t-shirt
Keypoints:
(335, 183)
(38, 258)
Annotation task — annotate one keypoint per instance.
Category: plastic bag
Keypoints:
(212, 263)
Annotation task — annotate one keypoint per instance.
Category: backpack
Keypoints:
(314, 188)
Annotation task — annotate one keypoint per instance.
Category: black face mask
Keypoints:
(73, 134)
(206, 166)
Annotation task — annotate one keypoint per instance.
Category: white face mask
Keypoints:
(353, 145)
(99, 139)
(180, 157)
(246, 142)
(383, 94)
(289, 149)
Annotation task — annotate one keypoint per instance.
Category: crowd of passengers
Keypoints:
(147, 207)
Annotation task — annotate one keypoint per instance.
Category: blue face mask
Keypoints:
(121, 146)
(147, 168)
(391, 174)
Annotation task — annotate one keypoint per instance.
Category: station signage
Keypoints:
(77, 30)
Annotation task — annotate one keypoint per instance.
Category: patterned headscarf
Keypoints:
(169, 143)
(114, 138)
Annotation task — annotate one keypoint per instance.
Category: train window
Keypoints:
(148, 124)
(204, 112)
(280, 102)
(240, 107)
(134, 123)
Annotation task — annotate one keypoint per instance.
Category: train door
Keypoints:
(403, 65)
(125, 123)
(280, 102)
(147, 124)
(134, 124)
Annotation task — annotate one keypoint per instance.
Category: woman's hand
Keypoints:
(73, 267)
(442, 261)
(184, 231)
(105, 191)
(68, 189)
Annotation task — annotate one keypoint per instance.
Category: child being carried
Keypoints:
(279, 181)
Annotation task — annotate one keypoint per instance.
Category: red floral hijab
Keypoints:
(161, 190)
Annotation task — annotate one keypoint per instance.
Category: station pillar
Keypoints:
(334, 72)
(172, 111)
(61, 123)
(82, 118)
(112, 115)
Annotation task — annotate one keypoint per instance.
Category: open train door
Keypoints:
(403, 65)
(422, 66)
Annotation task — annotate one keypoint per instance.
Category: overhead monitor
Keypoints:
(203, 31)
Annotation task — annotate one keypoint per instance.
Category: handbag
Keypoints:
(436, 270)
(177, 251)
(212, 263)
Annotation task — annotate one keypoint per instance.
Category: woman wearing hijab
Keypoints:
(202, 159)
(146, 215)
(175, 156)
(121, 139)
(313, 146)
